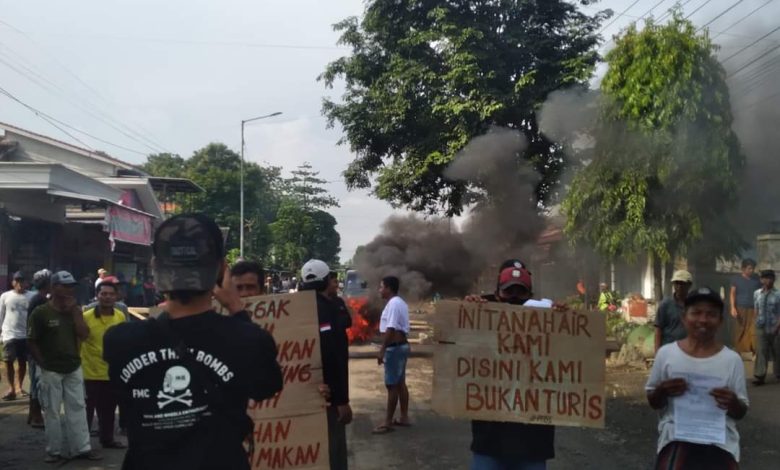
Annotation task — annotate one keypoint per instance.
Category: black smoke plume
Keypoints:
(434, 256)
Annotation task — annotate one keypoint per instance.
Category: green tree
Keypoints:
(290, 231)
(324, 241)
(303, 229)
(305, 187)
(165, 164)
(171, 166)
(666, 162)
(425, 77)
(216, 169)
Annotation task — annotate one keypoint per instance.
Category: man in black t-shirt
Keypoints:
(186, 377)
(334, 347)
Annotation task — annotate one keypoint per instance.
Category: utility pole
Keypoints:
(241, 210)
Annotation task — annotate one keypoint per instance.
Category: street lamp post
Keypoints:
(241, 216)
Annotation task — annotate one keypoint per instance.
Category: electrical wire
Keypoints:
(767, 52)
(719, 15)
(45, 118)
(761, 101)
(749, 46)
(618, 16)
(670, 10)
(52, 120)
(86, 86)
(760, 75)
(697, 9)
(742, 19)
(38, 82)
(651, 9)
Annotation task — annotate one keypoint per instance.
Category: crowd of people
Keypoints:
(181, 382)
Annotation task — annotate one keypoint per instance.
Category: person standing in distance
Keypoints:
(42, 282)
(186, 377)
(668, 321)
(743, 286)
(101, 394)
(54, 332)
(247, 277)
(767, 302)
(394, 326)
(13, 333)
(334, 349)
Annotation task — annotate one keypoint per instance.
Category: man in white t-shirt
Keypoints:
(13, 333)
(394, 327)
(102, 274)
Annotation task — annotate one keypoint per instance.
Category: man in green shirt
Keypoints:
(54, 331)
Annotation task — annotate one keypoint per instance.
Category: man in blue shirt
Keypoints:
(767, 305)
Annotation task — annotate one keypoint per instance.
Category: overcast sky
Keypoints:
(185, 73)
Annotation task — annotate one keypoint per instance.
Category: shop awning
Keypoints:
(43, 190)
(74, 196)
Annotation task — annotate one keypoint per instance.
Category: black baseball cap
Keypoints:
(703, 293)
(18, 276)
(187, 250)
(511, 263)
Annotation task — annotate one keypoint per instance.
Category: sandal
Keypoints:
(398, 422)
(52, 458)
(88, 455)
(114, 445)
(382, 429)
(10, 396)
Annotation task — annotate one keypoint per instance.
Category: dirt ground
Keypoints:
(436, 443)
(627, 442)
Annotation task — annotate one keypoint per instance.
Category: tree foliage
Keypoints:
(215, 168)
(666, 160)
(425, 77)
(305, 187)
(284, 222)
(299, 235)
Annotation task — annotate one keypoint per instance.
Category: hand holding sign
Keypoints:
(502, 362)
(227, 295)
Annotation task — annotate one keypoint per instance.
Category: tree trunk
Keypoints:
(658, 278)
(668, 277)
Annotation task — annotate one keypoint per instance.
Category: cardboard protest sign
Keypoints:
(502, 362)
(291, 429)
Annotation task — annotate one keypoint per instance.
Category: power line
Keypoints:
(699, 8)
(195, 42)
(618, 16)
(760, 75)
(761, 101)
(748, 46)
(767, 52)
(651, 9)
(742, 19)
(670, 10)
(85, 85)
(720, 15)
(75, 103)
(52, 120)
(43, 116)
